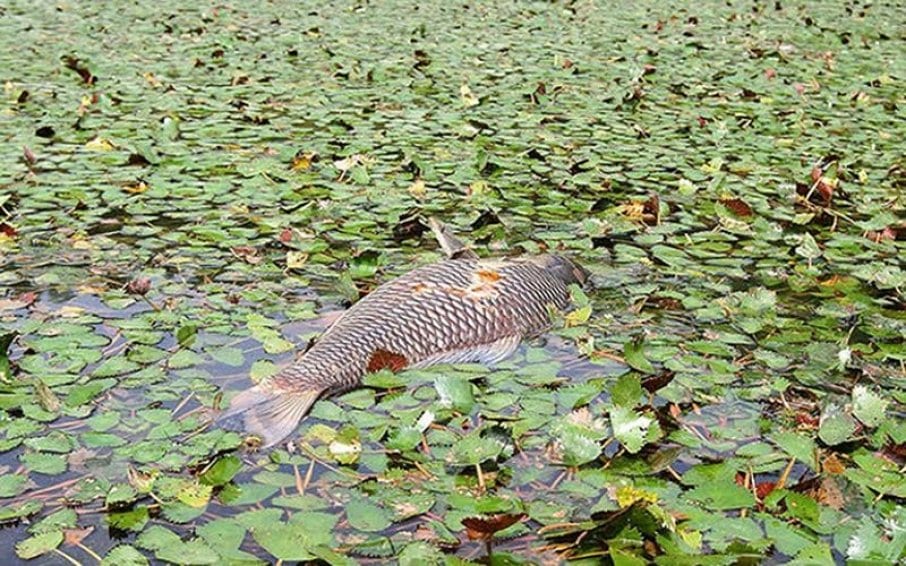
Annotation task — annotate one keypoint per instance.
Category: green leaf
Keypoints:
(454, 392)
(632, 429)
(473, 449)
(191, 552)
(721, 496)
(627, 391)
(578, 448)
(262, 369)
(246, 493)
(228, 355)
(346, 447)
(869, 407)
(51, 464)
(115, 366)
(808, 247)
(222, 471)
(384, 379)
(133, 520)
(119, 494)
(5, 340)
(17, 511)
(836, 426)
(299, 537)
(38, 544)
(798, 446)
(184, 359)
(634, 354)
(65, 518)
(366, 516)
(284, 542)
(185, 335)
(13, 484)
(124, 555)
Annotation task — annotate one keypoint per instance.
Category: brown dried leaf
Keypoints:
(75, 537)
(737, 206)
(483, 528)
(139, 286)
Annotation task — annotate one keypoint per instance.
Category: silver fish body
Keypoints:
(458, 310)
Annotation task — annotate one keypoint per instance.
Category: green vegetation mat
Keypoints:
(186, 192)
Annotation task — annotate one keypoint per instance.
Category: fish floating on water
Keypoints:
(462, 309)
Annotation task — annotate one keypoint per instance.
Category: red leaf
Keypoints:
(286, 235)
(139, 286)
(763, 489)
(737, 206)
(383, 359)
(484, 527)
(807, 420)
(8, 230)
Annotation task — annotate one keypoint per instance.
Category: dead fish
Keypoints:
(462, 309)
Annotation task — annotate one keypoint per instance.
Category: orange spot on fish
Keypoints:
(383, 359)
(488, 277)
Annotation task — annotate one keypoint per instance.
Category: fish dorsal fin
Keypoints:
(452, 246)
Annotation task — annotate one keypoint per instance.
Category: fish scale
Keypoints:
(458, 310)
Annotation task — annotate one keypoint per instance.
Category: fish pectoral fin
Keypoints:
(452, 246)
(269, 413)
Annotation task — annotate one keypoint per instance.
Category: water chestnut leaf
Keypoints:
(836, 425)
(124, 555)
(38, 544)
(454, 392)
(868, 407)
(634, 354)
(632, 429)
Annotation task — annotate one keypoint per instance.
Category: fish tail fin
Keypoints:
(269, 413)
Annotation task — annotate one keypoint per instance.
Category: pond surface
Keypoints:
(189, 195)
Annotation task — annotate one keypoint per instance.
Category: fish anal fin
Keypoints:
(385, 359)
(269, 413)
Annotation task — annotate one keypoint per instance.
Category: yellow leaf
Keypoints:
(295, 259)
(195, 494)
(578, 316)
(417, 189)
(152, 80)
(627, 495)
(468, 99)
(136, 188)
(302, 161)
(99, 144)
(91, 289)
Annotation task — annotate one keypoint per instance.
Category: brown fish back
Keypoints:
(450, 308)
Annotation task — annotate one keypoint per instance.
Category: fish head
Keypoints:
(562, 268)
